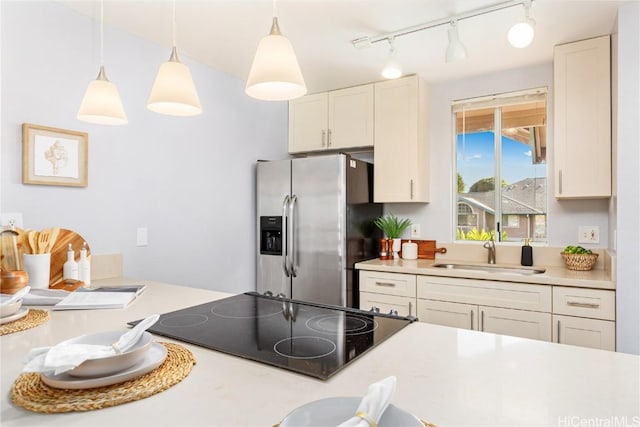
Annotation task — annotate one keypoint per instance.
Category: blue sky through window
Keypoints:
(476, 159)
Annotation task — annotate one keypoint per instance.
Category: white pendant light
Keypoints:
(101, 103)
(521, 34)
(275, 74)
(173, 92)
(391, 69)
(456, 51)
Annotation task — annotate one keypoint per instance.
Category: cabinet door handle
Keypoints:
(583, 304)
(329, 138)
(471, 320)
(560, 181)
(558, 332)
(323, 137)
(387, 284)
(411, 189)
(410, 309)
(482, 320)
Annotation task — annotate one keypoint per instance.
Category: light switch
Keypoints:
(142, 236)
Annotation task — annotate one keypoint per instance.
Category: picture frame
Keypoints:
(53, 156)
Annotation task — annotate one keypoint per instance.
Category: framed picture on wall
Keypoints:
(52, 156)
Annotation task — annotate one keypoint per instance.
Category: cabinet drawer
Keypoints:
(388, 304)
(520, 296)
(388, 283)
(593, 303)
(584, 332)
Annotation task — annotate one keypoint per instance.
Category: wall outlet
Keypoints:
(588, 234)
(142, 236)
(415, 231)
(13, 219)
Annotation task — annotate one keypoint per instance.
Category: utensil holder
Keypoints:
(38, 266)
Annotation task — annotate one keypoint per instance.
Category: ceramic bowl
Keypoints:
(10, 309)
(109, 365)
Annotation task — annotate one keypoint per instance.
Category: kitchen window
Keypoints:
(501, 186)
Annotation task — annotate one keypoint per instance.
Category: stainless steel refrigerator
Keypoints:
(315, 221)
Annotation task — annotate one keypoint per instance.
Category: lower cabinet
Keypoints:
(563, 314)
(504, 321)
(592, 333)
(388, 304)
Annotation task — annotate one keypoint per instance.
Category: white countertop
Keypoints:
(553, 275)
(445, 376)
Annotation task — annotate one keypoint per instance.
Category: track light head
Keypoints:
(391, 69)
(521, 34)
(456, 51)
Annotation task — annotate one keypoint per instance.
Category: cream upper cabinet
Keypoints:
(332, 120)
(308, 123)
(401, 155)
(582, 119)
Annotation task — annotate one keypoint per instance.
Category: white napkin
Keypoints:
(64, 357)
(373, 405)
(15, 297)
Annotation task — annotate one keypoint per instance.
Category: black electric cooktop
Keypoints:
(312, 339)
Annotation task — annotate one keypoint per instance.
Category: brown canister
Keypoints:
(384, 248)
(12, 281)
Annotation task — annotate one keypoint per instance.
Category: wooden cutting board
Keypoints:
(59, 253)
(426, 249)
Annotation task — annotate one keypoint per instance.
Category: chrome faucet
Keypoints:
(491, 246)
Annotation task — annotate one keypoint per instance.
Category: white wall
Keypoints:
(189, 180)
(436, 218)
(625, 214)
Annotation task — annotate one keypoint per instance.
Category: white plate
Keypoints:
(336, 410)
(9, 309)
(15, 316)
(152, 359)
(101, 367)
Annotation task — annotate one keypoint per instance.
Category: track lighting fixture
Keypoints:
(101, 103)
(392, 69)
(173, 92)
(521, 34)
(455, 50)
(275, 74)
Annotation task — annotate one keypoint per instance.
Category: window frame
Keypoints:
(496, 101)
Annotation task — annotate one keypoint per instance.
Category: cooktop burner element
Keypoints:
(312, 339)
(351, 325)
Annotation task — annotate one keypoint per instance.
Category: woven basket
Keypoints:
(579, 262)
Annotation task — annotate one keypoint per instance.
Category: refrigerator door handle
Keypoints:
(285, 211)
(292, 235)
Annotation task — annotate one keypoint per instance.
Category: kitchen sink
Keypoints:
(492, 268)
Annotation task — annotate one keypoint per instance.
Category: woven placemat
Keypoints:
(31, 320)
(31, 393)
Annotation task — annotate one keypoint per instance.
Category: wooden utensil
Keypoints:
(33, 241)
(55, 231)
(43, 240)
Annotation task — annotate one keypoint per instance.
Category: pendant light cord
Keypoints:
(101, 33)
(174, 23)
(275, 9)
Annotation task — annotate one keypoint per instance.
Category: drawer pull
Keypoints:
(583, 304)
(387, 284)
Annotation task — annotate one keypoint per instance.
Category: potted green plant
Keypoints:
(393, 227)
